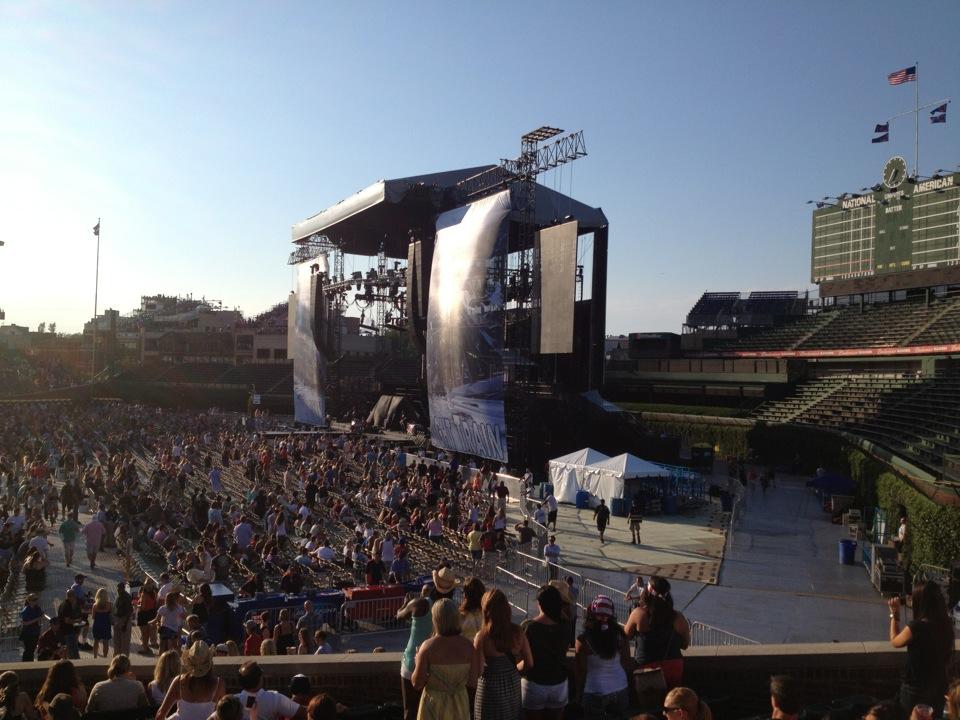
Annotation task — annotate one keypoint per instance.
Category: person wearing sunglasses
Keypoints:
(682, 703)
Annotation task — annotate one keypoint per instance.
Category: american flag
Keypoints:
(902, 76)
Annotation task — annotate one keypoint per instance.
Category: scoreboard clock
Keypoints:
(905, 223)
(894, 172)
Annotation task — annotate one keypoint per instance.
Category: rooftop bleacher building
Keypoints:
(875, 358)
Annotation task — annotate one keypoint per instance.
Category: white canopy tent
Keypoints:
(566, 472)
(605, 478)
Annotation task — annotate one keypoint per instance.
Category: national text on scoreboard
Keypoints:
(905, 225)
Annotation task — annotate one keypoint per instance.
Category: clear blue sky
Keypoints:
(201, 131)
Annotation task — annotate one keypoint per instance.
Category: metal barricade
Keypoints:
(371, 615)
(517, 589)
(702, 634)
(591, 588)
(539, 571)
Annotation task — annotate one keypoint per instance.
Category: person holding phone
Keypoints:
(260, 704)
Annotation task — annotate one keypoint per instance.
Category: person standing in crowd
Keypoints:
(552, 506)
(784, 698)
(197, 690)
(83, 606)
(661, 632)
(633, 593)
(122, 620)
(929, 641)
(146, 614)
(544, 684)
(166, 669)
(682, 703)
(120, 691)
(504, 649)
(418, 610)
(94, 532)
(14, 702)
(102, 623)
(62, 679)
(169, 621)
(551, 555)
(268, 704)
(602, 661)
(254, 639)
(69, 617)
(471, 615)
(635, 519)
(31, 616)
(69, 529)
(446, 665)
(952, 709)
(601, 513)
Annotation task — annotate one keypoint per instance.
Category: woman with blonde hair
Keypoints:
(682, 703)
(197, 690)
(952, 709)
(268, 647)
(102, 622)
(505, 652)
(166, 669)
(446, 665)
(233, 650)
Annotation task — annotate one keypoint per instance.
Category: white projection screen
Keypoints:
(465, 376)
(309, 364)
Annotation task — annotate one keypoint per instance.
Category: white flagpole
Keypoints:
(96, 287)
(916, 123)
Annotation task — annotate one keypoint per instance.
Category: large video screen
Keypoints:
(912, 226)
(465, 319)
(309, 364)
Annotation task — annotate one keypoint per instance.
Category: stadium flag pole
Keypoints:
(96, 287)
(916, 123)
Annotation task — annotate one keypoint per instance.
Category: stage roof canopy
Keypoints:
(388, 209)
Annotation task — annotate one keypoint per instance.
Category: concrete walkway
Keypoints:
(780, 580)
(60, 577)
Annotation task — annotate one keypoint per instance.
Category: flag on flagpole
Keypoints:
(939, 109)
(882, 127)
(882, 138)
(96, 229)
(938, 118)
(903, 76)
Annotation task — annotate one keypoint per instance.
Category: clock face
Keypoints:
(894, 172)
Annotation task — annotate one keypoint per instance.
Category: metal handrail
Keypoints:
(702, 634)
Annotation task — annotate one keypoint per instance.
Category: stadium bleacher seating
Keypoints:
(913, 415)
(877, 325)
(712, 308)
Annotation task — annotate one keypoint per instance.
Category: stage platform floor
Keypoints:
(685, 546)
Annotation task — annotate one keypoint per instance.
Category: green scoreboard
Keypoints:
(902, 224)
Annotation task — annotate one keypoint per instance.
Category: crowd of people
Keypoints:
(215, 501)
(184, 686)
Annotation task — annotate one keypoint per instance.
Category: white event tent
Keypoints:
(605, 478)
(567, 472)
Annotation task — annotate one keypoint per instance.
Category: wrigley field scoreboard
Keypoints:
(902, 224)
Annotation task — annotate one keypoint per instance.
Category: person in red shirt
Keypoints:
(251, 646)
